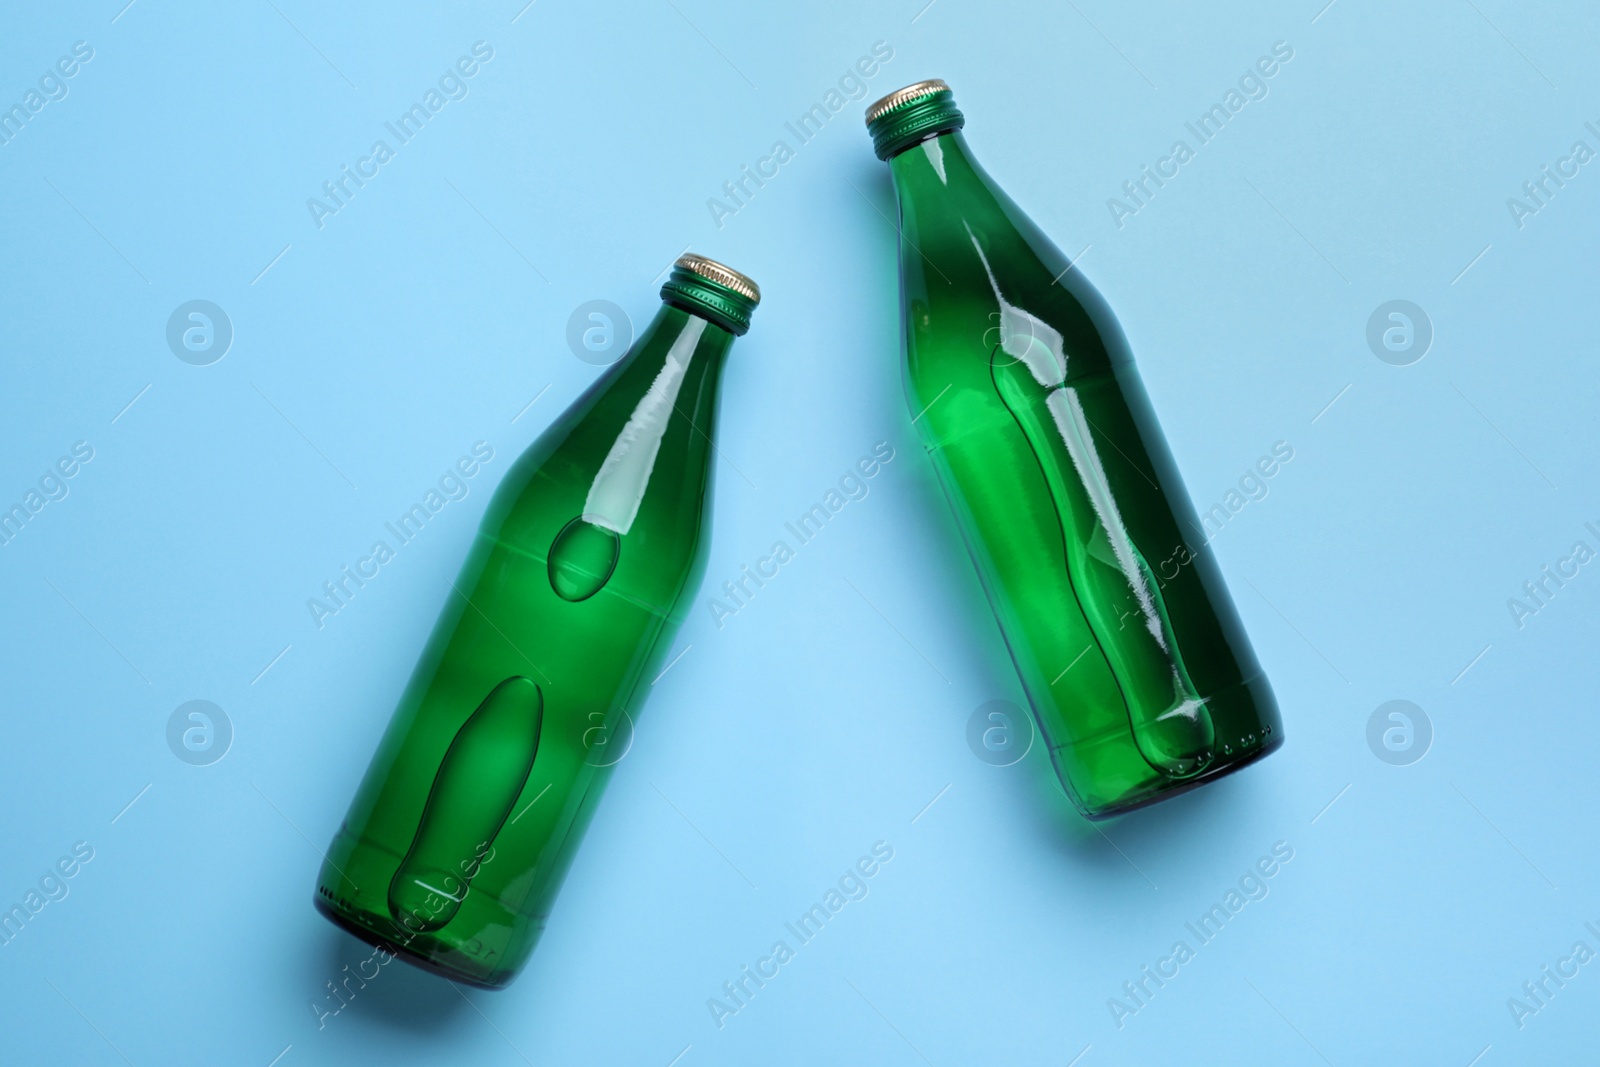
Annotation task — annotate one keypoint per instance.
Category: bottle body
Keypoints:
(1133, 658)
(469, 815)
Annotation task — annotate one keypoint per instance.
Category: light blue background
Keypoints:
(828, 713)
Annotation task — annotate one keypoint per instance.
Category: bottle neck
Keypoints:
(682, 357)
(678, 358)
(666, 386)
(941, 161)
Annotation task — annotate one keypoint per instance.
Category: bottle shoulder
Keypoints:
(633, 449)
(975, 269)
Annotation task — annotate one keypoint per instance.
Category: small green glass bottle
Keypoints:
(583, 569)
(1139, 673)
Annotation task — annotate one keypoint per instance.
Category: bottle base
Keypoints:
(1106, 773)
(1178, 788)
(370, 932)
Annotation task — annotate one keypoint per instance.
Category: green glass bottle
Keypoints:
(463, 828)
(1139, 673)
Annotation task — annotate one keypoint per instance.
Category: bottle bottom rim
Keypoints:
(416, 959)
(1177, 789)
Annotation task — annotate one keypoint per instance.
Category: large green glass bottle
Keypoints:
(1139, 673)
(591, 550)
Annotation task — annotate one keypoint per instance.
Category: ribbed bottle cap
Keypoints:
(713, 291)
(911, 115)
(905, 96)
(720, 273)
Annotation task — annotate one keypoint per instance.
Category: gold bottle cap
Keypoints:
(906, 95)
(722, 275)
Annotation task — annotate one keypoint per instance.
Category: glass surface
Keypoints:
(1029, 405)
(467, 819)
